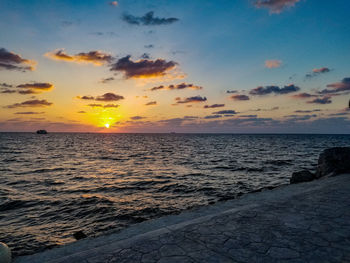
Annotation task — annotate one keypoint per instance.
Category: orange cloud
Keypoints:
(98, 58)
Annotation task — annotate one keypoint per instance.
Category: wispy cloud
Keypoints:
(317, 71)
(214, 106)
(304, 95)
(275, 6)
(113, 3)
(273, 63)
(105, 97)
(194, 99)
(13, 61)
(177, 87)
(148, 19)
(324, 100)
(30, 103)
(225, 112)
(151, 103)
(240, 97)
(338, 87)
(96, 57)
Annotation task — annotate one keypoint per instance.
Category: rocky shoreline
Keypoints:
(333, 161)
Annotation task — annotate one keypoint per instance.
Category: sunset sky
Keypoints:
(245, 66)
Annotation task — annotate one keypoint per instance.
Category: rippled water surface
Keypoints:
(56, 184)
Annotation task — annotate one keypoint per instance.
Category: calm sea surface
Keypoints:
(56, 184)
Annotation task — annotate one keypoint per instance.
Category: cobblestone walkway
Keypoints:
(309, 222)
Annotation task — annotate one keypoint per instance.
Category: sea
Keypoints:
(53, 185)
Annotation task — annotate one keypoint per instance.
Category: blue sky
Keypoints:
(217, 45)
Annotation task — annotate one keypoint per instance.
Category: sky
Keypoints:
(245, 66)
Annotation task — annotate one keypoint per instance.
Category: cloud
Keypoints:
(317, 71)
(149, 46)
(214, 106)
(324, 100)
(30, 103)
(338, 87)
(98, 105)
(111, 106)
(177, 87)
(29, 88)
(81, 112)
(105, 97)
(151, 103)
(303, 95)
(307, 111)
(273, 63)
(113, 3)
(275, 6)
(5, 85)
(98, 58)
(240, 97)
(7, 91)
(143, 68)
(29, 112)
(135, 118)
(274, 89)
(145, 56)
(148, 20)
(231, 91)
(191, 99)
(13, 61)
(270, 109)
(212, 116)
(300, 117)
(225, 112)
(248, 116)
(106, 80)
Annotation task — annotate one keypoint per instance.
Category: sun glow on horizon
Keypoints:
(107, 125)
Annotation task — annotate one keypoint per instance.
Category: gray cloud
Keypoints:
(338, 87)
(214, 106)
(225, 112)
(13, 61)
(142, 68)
(240, 97)
(105, 97)
(151, 103)
(135, 118)
(148, 20)
(213, 117)
(324, 100)
(30, 103)
(29, 112)
(177, 87)
(191, 99)
(274, 89)
(304, 95)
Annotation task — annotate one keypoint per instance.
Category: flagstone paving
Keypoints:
(308, 222)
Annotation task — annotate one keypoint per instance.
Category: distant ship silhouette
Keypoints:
(41, 132)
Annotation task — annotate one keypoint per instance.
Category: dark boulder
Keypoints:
(79, 235)
(333, 161)
(302, 176)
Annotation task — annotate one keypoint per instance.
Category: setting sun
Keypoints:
(107, 125)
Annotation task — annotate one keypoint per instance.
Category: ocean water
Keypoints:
(56, 184)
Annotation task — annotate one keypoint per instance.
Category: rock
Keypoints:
(333, 161)
(79, 235)
(302, 176)
(5, 253)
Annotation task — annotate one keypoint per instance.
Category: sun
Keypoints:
(107, 125)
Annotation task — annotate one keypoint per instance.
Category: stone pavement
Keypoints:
(308, 222)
